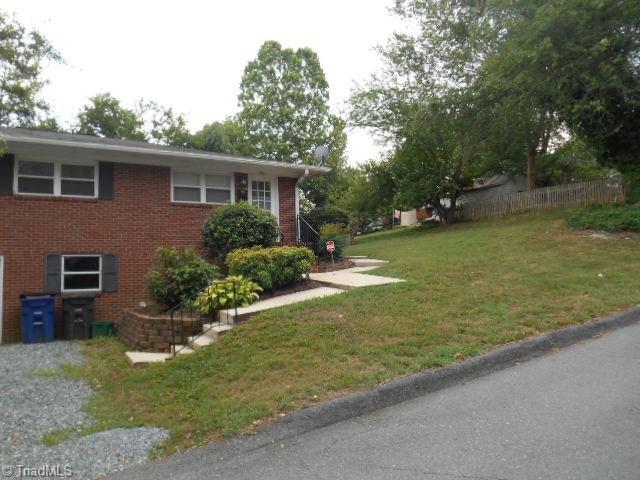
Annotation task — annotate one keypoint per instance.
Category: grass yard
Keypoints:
(470, 289)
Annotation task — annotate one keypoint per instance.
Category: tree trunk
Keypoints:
(531, 166)
(447, 214)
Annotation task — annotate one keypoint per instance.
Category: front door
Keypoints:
(263, 193)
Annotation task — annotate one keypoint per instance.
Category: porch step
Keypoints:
(214, 331)
(245, 313)
(354, 257)
(136, 359)
(183, 349)
(201, 341)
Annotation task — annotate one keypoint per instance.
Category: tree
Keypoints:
(23, 55)
(105, 117)
(328, 188)
(439, 156)
(223, 137)
(284, 99)
(544, 66)
(162, 125)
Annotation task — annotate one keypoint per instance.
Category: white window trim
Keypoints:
(275, 194)
(57, 178)
(63, 273)
(203, 187)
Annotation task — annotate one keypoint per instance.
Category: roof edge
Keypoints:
(302, 167)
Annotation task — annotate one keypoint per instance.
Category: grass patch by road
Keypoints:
(469, 289)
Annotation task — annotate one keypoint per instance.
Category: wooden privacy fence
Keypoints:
(588, 193)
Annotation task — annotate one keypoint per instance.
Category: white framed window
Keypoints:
(81, 273)
(189, 187)
(57, 178)
(261, 194)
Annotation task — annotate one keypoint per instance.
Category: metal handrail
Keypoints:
(180, 308)
(300, 217)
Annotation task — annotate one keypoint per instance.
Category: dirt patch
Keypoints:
(604, 235)
(339, 264)
(306, 284)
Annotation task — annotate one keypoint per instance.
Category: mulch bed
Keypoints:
(306, 284)
(325, 265)
(340, 264)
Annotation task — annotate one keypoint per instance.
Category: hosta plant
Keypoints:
(221, 295)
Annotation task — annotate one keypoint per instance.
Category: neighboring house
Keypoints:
(86, 214)
(494, 187)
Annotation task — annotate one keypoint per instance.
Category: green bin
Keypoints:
(102, 329)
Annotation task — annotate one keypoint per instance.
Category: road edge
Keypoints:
(386, 395)
(415, 385)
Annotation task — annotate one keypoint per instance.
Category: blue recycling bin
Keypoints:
(38, 317)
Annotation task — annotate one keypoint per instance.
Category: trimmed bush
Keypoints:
(273, 267)
(613, 218)
(338, 234)
(178, 274)
(239, 226)
(222, 294)
(320, 216)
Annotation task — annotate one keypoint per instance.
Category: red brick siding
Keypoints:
(287, 194)
(139, 219)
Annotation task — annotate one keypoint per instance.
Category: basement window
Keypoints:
(81, 273)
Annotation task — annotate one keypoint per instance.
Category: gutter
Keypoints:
(166, 153)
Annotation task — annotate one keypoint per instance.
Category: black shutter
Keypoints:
(6, 174)
(53, 278)
(110, 273)
(105, 180)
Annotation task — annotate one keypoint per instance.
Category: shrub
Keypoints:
(177, 275)
(338, 234)
(272, 267)
(320, 216)
(221, 294)
(239, 226)
(612, 218)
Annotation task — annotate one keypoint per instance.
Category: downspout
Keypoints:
(300, 180)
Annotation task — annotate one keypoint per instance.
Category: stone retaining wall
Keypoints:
(145, 332)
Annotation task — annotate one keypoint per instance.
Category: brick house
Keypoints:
(81, 213)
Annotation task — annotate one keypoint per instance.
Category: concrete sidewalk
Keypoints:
(573, 414)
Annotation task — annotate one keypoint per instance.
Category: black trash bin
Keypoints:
(79, 313)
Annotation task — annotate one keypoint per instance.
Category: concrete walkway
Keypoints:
(229, 316)
(335, 282)
(353, 278)
(570, 415)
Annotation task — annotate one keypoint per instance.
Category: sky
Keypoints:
(190, 55)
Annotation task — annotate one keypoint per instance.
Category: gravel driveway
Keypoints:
(33, 403)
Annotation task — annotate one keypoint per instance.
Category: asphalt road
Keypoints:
(572, 414)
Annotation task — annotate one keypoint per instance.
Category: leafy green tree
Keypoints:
(163, 126)
(329, 188)
(439, 156)
(284, 99)
(538, 66)
(23, 55)
(104, 116)
(223, 137)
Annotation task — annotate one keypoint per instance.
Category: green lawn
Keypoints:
(469, 289)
